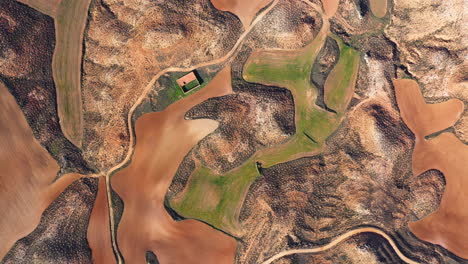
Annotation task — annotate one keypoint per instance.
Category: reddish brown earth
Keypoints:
(447, 226)
(99, 236)
(378, 7)
(330, 7)
(245, 10)
(424, 119)
(162, 141)
(27, 175)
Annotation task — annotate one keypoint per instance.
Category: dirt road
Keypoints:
(340, 239)
(147, 89)
(164, 138)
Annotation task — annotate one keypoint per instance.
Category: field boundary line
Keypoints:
(144, 94)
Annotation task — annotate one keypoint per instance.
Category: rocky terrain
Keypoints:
(249, 120)
(432, 42)
(127, 43)
(361, 177)
(257, 115)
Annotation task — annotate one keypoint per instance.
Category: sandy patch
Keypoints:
(330, 7)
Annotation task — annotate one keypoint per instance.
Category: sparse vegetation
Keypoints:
(171, 92)
(289, 69)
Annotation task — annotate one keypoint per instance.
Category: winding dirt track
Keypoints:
(145, 223)
(340, 239)
(220, 60)
(143, 96)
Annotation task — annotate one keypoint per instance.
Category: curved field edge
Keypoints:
(444, 152)
(378, 7)
(126, 161)
(70, 22)
(314, 125)
(48, 7)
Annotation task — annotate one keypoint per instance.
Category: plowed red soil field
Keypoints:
(447, 226)
(330, 7)
(245, 10)
(26, 177)
(162, 141)
(99, 236)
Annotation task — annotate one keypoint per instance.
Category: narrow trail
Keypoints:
(226, 57)
(340, 239)
(144, 94)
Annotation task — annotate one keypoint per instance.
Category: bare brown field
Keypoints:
(99, 236)
(424, 119)
(48, 7)
(245, 10)
(378, 7)
(447, 226)
(27, 175)
(330, 7)
(163, 139)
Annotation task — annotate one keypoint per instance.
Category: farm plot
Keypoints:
(99, 236)
(26, 176)
(163, 139)
(378, 7)
(290, 69)
(70, 22)
(48, 7)
(446, 153)
(245, 10)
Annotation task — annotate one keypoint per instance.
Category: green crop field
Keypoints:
(338, 91)
(70, 22)
(289, 69)
(230, 189)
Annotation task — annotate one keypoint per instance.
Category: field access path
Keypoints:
(225, 58)
(340, 239)
(144, 94)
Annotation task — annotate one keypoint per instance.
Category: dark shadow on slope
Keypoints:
(324, 63)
